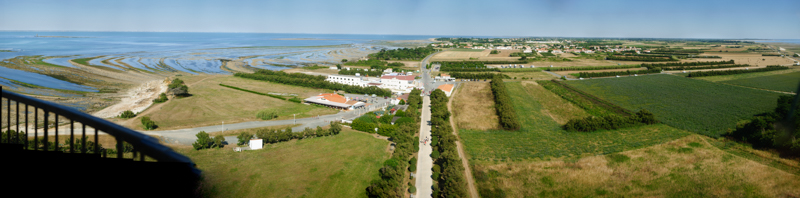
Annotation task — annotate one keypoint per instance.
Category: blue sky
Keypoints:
(642, 18)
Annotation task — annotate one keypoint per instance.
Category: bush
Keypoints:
(203, 141)
(244, 138)
(412, 189)
(177, 88)
(738, 71)
(148, 124)
(505, 110)
(127, 114)
(610, 122)
(267, 114)
(161, 98)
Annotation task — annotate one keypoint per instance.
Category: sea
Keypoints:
(189, 52)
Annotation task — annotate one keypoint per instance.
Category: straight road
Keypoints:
(424, 182)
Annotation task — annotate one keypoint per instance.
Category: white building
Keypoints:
(348, 80)
(398, 83)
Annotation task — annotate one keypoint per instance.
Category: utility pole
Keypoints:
(223, 126)
(294, 117)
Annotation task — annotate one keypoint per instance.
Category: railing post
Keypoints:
(35, 129)
(46, 143)
(27, 130)
(119, 148)
(96, 143)
(55, 143)
(71, 136)
(83, 139)
(16, 136)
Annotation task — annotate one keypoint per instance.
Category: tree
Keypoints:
(127, 114)
(344, 60)
(338, 66)
(148, 124)
(402, 102)
(218, 141)
(203, 141)
(523, 58)
(335, 128)
(321, 132)
(243, 138)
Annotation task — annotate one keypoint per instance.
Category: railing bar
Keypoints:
(46, 143)
(141, 156)
(16, 136)
(35, 128)
(27, 130)
(56, 126)
(71, 136)
(83, 139)
(119, 148)
(96, 143)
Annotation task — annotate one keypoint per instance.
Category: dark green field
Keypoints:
(781, 82)
(541, 137)
(695, 105)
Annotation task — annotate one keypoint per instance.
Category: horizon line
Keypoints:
(442, 36)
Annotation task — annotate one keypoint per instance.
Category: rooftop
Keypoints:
(446, 87)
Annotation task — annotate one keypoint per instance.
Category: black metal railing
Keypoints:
(143, 145)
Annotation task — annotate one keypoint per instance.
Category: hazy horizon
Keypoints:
(584, 19)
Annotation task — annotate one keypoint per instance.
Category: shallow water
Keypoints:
(42, 80)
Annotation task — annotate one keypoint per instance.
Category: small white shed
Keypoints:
(256, 144)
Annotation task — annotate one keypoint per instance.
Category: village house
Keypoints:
(447, 88)
(398, 83)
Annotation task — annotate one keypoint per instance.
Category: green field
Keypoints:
(334, 166)
(695, 105)
(466, 50)
(781, 82)
(541, 137)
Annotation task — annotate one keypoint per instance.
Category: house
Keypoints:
(398, 83)
(335, 101)
(396, 101)
(447, 88)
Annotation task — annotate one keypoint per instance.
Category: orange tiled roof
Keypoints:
(446, 87)
(334, 97)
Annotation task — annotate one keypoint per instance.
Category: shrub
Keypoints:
(243, 138)
(148, 124)
(127, 114)
(161, 98)
(412, 189)
(218, 141)
(177, 88)
(203, 141)
(267, 114)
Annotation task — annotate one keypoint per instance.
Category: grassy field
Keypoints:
(554, 106)
(686, 167)
(745, 75)
(334, 166)
(473, 107)
(541, 137)
(211, 103)
(694, 105)
(780, 82)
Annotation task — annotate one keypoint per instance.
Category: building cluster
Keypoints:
(396, 82)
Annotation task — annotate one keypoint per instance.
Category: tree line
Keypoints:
(393, 173)
(362, 72)
(462, 75)
(580, 68)
(448, 171)
(403, 53)
(703, 67)
(736, 71)
(639, 58)
(610, 122)
(255, 92)
(617, 73)
(312, 81)
(654, 65)
(773, 130)
(503, 105)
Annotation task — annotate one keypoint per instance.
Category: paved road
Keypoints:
(424, 181)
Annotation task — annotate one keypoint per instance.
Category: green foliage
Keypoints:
(161, 98)
(267, 114)
(148, 124)
(127, 114)
(412, 164)
(580, 68)
(494, 52)
(336, 128)
(686, 64)
(702, 67)
(781, 82)
(178, 88)
(450, 180)
(402, 102)
(403, 53)
(773, 130)
(203, 141)
(695, 105)
(218, 142)
(313, 81)
(640, 58)
(739, 71)
(610, 122)
(617, 73)
(503, 106)
(464, 75)
(243, 138)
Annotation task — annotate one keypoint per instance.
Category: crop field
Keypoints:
(754, 59)
(694, 105)
(781, 82)
(745, 75)
(473, 107)
(686, 167)
(335, 166)
(542, 137)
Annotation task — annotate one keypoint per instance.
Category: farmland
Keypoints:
(686, 167)
(541, 137)
(693, 105)
(780, 82)
(335, 166)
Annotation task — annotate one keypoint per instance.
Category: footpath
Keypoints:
(424, 183)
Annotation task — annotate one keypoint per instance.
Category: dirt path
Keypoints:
(473, 192)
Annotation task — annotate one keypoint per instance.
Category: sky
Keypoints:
(764, 19)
